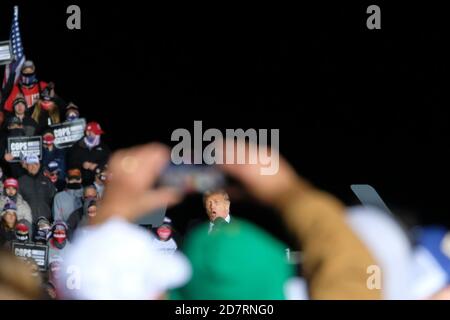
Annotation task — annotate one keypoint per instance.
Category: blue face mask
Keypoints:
(28, 79)
(72, 117)
(91, 139)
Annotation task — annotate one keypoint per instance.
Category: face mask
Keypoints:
(13, 198)
(46, 105)
(53, 177)
(92, 141)
(72, 117)
(164, 233)
(28, 79)
(22, 237)
(74, 186)
(59, 237)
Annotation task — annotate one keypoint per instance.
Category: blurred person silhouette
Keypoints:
(16, 280)
(414, 261)
(238, 261)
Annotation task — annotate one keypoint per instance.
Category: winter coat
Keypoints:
(23, 209)
(80, 153)
(65, 203)
(38, 191)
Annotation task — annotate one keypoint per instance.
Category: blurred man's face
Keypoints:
(33, 169)
(20, 108)
(217, 206)
(11, 191)
(10, 218)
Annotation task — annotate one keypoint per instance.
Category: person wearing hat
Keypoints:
(72, 112)
(11, 194)
(22, 232)
(8, 221)
(46, 111)
(36, 188)
(70, 199)
(239, 261)
(19, 111)
(42, 230)
(28, 86)
(58, 244)
(89, 153)
(51, 153)
(54, 173)
(164, 237)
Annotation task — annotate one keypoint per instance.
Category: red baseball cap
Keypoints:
(95, 128)
(11, 182)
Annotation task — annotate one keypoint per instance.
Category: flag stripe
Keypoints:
(17, 49)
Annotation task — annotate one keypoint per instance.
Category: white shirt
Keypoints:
(118, 260)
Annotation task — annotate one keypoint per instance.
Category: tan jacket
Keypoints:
(335, 261)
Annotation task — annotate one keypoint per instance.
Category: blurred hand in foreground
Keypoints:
(130, 192)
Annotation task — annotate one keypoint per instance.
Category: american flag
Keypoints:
(17, 49)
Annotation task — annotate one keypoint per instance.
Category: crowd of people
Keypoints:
(82, 203)
(44, 199)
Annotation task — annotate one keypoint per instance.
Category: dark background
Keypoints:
(353, 105)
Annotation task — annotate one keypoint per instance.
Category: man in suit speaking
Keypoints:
(217, 205)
